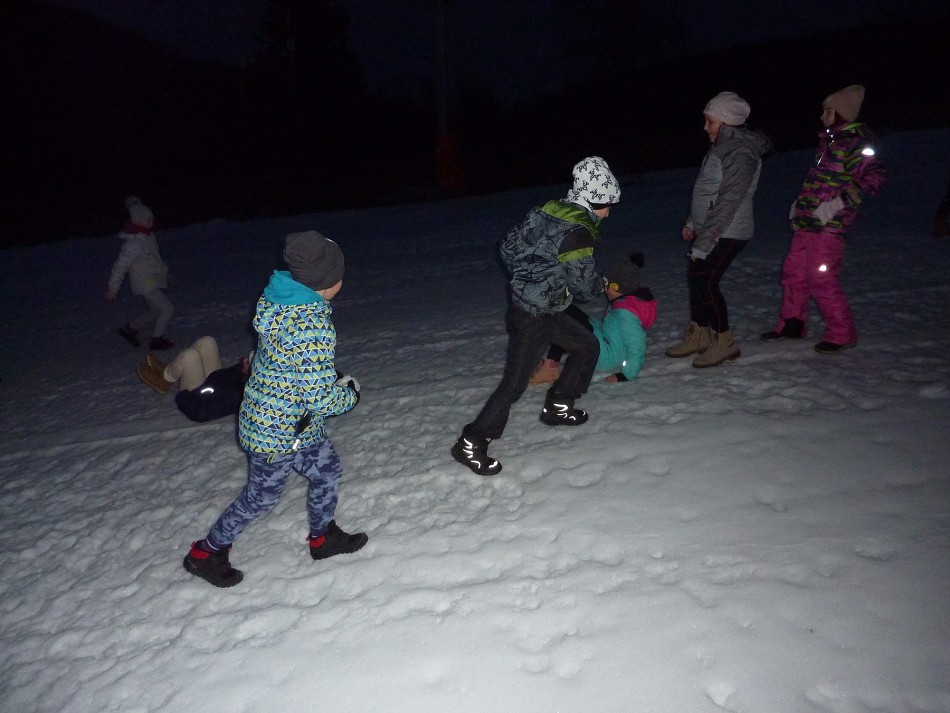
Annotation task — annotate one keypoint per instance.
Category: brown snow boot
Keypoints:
(695, 341)
(547, 372)
(154, 362)
(154, 378)
(721, 348)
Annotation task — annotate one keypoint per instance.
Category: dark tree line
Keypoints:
(96, 112)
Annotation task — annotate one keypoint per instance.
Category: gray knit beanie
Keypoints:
(729, 108)
(313, 260)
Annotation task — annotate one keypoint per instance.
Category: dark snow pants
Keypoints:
(528, 337)
(556, 352)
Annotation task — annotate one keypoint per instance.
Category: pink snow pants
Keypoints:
(811, 269)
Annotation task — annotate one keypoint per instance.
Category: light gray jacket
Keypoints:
(139, 257)
(722, 195)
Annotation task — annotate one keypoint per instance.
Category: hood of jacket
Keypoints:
(752, 138)
(282, 289)
(643, 309)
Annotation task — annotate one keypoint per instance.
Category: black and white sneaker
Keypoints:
(560, 411)
(472, 452)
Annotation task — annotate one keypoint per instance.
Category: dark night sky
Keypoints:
(514, 46)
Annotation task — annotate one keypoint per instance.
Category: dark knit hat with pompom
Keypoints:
(623, 275)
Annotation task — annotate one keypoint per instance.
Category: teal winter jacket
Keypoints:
(293, 373)
(622, 334)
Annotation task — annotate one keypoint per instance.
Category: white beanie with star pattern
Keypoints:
(594, 184)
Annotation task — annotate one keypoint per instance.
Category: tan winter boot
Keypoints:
(695, 341)
(721, 348)
(154, 378)
(547, 372)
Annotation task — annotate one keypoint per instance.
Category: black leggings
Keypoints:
(707, 306)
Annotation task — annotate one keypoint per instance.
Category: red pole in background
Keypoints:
(448, 150)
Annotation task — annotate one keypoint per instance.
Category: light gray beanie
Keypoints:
(313, 260)
(729, 108)
(594, 184)
(139, 213)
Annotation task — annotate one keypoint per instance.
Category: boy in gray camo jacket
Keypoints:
(550, 258)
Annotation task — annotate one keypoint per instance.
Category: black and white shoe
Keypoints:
(560, 411)
(472, 452)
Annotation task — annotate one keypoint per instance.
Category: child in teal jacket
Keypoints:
(622, 331)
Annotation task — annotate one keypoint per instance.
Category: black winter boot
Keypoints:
(792, 329)
(159, 343)
(335, 542)
(213, 567)
(560, 411)
(831, 347)
(130, 335)
(472, 452)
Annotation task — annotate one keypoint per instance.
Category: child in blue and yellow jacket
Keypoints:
(292, 388)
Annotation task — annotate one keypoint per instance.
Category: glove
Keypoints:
(350, 382)
(829, 209)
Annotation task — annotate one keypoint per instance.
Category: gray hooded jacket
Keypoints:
(722, 195)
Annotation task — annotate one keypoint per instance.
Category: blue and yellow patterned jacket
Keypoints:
(293, 372)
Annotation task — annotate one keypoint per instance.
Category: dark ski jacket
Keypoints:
(550, 258)
(219, 395)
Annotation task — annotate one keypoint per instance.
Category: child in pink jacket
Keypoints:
(845, 169)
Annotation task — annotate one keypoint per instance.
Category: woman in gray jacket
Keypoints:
(719, 226)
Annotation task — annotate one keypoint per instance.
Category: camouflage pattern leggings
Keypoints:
(266, 480)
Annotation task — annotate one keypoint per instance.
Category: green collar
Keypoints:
(572, 213)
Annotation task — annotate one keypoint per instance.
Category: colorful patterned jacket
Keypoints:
(845, 167)
(293, 372)
(550, 258)
(622, 333)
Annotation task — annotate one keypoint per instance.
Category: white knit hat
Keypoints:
(729, 108)
(594, 184)
(139, 213)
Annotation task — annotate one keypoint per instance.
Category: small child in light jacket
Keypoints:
(621, 333)
(148, 276)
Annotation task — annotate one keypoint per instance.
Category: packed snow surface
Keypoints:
(770, 535)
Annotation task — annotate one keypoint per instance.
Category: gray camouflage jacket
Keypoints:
(550, 258)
